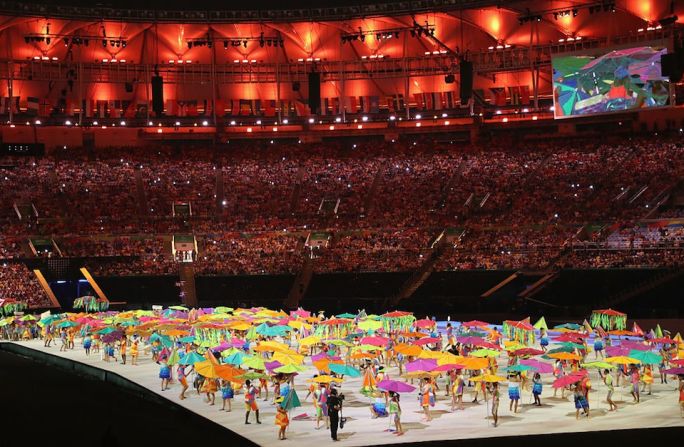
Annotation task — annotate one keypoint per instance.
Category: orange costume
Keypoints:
(281, 419)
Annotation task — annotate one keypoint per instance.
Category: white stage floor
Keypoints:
(555, 416)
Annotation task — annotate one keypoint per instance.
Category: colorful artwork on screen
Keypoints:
(621, 80)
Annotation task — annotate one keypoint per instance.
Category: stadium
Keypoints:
(422, 199)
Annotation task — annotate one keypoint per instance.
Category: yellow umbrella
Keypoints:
(487, 378)
(298, 324)
(310, 340)
(425, 354)
(288, 358)
(623, 360)
(449, 359)
(266, 346)
(240, 326)
(325, 379)
(421, 374)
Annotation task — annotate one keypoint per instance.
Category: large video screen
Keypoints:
(621, 80)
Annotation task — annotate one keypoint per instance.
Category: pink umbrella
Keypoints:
(270, 366)
(678, 370)
(426, 341)
(424, 323)
(397, 387)
(615, 351)
(375, 341)
(542, 368)
(422, 365)
(527, 351)
(475, 323)
(635, 345)
(448, 367)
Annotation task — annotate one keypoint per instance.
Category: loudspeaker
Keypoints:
(449, 79)
(671, 65)
(129, 87)
(158, 95)
(315, 92)
(466, 81)
(295, 86)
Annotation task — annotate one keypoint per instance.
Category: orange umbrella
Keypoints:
(362, 355)
(405, 349)
(565, 356)
(474, 362)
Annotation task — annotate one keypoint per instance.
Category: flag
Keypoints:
(449, 100)
(420, 102)
(302, 108)
(45, 107)
(69, 107)
(114, 109)
(437, 100)
(350, 104)
(101, 108)
(219, 108)
(515, 95)
(478, 96)
(335, 104)
(234, 107)
(7, 104)
(525, 95)
(32, 105)
(246, 107)
(374, 104)
(324, 106)
(269, 107)
(191, 108)
(141, 110)
(130, 109)
(499, 94)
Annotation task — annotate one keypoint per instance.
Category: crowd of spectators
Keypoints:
(17, 282)
(520, 206)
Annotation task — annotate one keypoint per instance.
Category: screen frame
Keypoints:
(660, 43)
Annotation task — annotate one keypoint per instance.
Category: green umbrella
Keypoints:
(291, 400)
(67, 324)
(174, 358)
(599, 365)
(188, 339)
(346, 315)
(252, 375)
(191, 358)
(370, 325)
(485, 353)
(339, 343)
(109, 330)
(289, 369)
(519, 368)
(344, 370)
(223, 310)
(560, 349)
(28, 318)
(234, 357)
(572, 346)
(254, 362)
(178, 308)
(646, 357)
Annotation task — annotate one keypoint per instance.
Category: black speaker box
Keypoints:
(449, 79)
(315, 92)
(466, 81)
(296, 86)
(158, 95)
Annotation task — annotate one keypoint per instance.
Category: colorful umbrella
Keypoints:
(395, 386)
(344, 370)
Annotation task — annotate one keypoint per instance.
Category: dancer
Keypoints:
(87, 342)
(320, 399)
(581, 402)
(608, 380)
(537, 388)
(182, 378)
(282, 420)
(63, 340)
(395, 409)
(427, 398)
(543, 339)
(598, 348)
(558, 373)
(495, 403)
(681, 397)
(647, 379)
(635, 377)
(514, 392)
(134, 352)
(250, 402)
(164, 374)
(122, 349)
(227, 394)
(457, 392)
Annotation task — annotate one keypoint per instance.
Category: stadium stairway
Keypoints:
(46, 288)
(219, 192)
(372, 191)
(140, 192)
(419, 276)
(187, 284)
(301, 283)
(296, 191)
(642, 287)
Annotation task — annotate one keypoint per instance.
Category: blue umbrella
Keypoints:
(191, 358)
(344, 370)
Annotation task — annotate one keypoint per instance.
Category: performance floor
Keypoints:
(557, 415)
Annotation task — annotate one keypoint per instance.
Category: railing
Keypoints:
(484, 62)
(370, 9)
